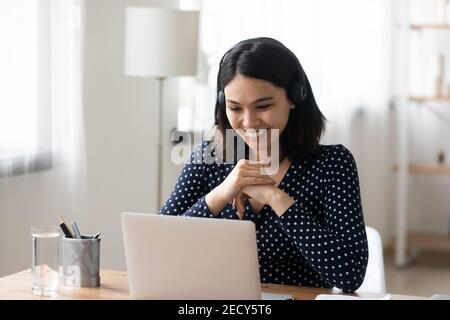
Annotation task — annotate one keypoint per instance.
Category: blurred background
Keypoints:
(84, 137)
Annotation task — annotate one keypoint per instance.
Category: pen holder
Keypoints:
(81, 262)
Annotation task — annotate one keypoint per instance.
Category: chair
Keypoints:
(374, 280)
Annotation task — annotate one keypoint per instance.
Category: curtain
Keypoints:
(66, 77)
(19, 65)
(40, 101)
(42, 166)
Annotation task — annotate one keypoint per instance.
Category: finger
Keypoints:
(254, 173)
(239, 212)
(258, 164)
(250, 181)
(248, 168)
(253, 163)
(237, 207)
(240, 204)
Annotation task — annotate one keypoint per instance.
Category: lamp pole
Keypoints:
(160, 43)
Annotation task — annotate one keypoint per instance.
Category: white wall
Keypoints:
(29, 200)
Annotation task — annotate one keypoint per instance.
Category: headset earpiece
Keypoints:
(220, 104)
(221, 99)
(297, 90)
(304, 92)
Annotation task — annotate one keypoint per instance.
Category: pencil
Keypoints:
(64, 228)
(76, 231)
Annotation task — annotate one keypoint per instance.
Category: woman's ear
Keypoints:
(291, 103)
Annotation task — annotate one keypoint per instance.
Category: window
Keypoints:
(25, 103)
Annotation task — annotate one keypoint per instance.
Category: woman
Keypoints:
(308, 215)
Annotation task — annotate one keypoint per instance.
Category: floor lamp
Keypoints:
(160, 43)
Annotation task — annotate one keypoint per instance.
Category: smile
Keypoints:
(254, 133)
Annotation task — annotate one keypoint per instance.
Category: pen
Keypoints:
(76, 231)
(97, 235)
(64, 228)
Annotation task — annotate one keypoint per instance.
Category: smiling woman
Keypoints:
(254, 107)
(268, 75)
(308, 214)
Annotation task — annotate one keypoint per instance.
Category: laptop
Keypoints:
(177, 257)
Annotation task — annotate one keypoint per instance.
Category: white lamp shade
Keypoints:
(160, 42)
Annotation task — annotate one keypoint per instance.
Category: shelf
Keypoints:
(415, 33)
(430, 169)
(430, 26)
(428, 241)
(424, 99)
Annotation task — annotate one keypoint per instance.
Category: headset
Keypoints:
(297, 92)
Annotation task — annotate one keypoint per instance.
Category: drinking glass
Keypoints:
(46, 261)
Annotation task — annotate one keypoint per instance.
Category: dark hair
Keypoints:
(268, 59)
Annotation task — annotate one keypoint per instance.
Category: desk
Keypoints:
(114, 286)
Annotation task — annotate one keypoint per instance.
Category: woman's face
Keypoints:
(256, 104)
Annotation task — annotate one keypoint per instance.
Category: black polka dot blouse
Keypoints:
(320, 241)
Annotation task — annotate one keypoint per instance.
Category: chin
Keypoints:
(253, 145)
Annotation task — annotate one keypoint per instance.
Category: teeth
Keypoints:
(254, 133)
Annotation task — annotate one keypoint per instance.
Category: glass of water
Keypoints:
(46, 260)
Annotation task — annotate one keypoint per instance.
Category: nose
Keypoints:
(250, 120)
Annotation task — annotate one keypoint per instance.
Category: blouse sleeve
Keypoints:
(188, 196)
(335, 246)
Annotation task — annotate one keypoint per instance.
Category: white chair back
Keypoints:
(374, 280)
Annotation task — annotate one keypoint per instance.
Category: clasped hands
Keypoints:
(247, 182)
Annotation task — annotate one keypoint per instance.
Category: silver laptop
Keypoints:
(175, 257)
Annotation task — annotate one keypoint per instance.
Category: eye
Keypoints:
(263, 107)
(231, 108)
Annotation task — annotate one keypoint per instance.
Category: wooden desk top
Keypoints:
(114, 286)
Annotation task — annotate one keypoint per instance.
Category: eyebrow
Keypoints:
(256, 101)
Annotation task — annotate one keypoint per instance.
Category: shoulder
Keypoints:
(203, 153)
(200, 148)
(334, 151)
(334, 155)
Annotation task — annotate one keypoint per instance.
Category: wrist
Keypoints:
(280, 201)
(219, 195)
(274, 196)
(215, 201)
